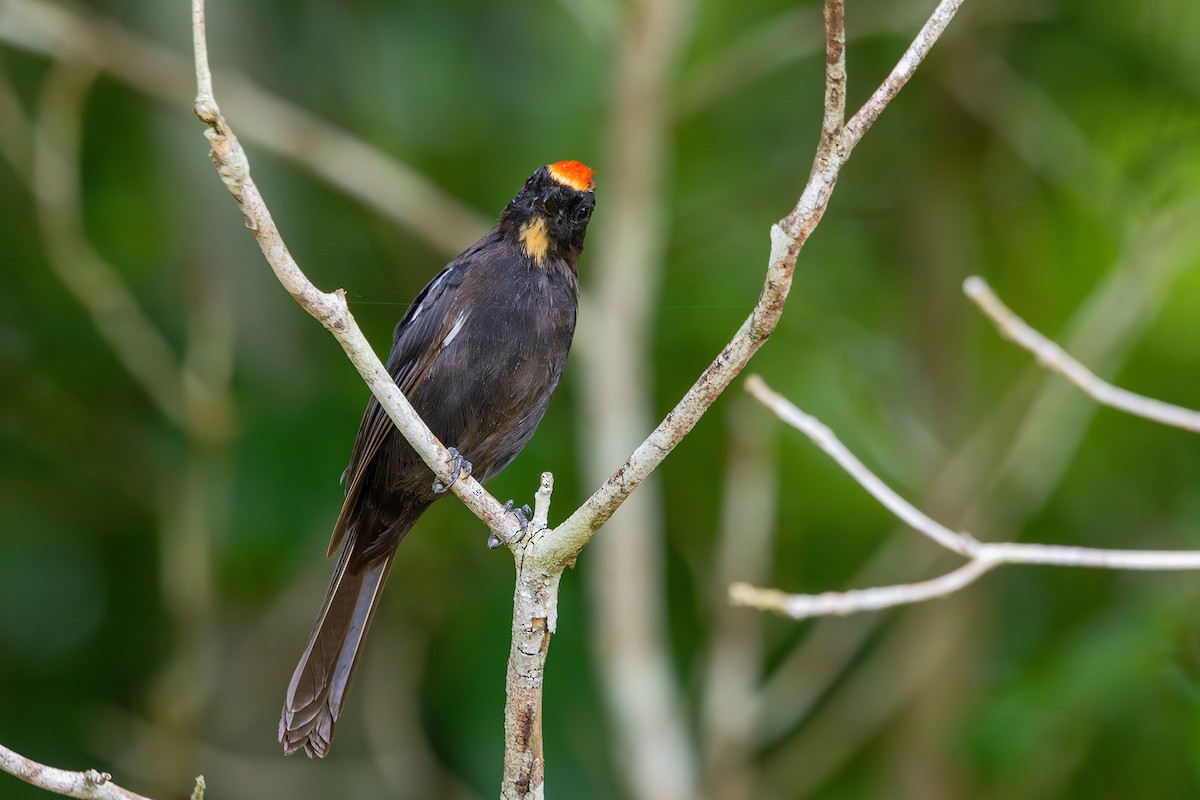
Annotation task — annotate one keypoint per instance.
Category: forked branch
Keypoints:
(982, 557)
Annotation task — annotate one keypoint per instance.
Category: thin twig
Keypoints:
(932, 30)
(982, 556)
(1054, 358)
(1030, 456)
(87, 785)
(824, 438)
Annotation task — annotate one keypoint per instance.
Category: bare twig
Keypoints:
(982, 556)
(933, 29)
(87, 785)
(824, 438)
(835, 72)
(1054, 358)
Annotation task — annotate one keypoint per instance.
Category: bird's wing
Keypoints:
(419, 339)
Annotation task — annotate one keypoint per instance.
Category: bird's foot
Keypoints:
(459, 465)
(522, 513)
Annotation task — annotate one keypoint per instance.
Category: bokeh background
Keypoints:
(172, 425)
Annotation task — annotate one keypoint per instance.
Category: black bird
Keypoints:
(478, 354)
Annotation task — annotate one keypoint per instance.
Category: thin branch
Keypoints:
(1054, 358)
(787, 237)
(835, 71)
(983, 557)
(1026, 455)
(824, 438)
(87, 785)
(933, 29)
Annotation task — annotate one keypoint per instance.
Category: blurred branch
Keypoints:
(630, 641)
(983, 556)
(193, 393)
(16, 131)
(87, 785)
(1054, 358)
(1038, 131)
(92, 281)
(730, 709)
(358, 169)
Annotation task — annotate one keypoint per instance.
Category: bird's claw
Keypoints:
(522, 513)
(459, 465)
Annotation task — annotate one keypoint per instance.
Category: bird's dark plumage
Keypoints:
(478, 354)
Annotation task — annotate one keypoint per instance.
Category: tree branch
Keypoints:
(1054, 358)
(787, 237)
(983, 557)
(87, 785)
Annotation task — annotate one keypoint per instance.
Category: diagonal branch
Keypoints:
(930, 32)
(787, 237)
(1054, 358)
(87, 785)
(825, 439)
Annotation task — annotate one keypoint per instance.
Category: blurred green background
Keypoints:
(161, 550)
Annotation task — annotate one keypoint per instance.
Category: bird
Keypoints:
(478, 354)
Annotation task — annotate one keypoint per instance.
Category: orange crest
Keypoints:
(572, 173)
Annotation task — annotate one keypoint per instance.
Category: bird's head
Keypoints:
(549, 216)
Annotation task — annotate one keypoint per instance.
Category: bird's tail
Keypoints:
(319, 684)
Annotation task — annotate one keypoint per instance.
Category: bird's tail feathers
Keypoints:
(318, 687)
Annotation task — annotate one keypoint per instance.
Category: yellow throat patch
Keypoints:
(535, 238)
